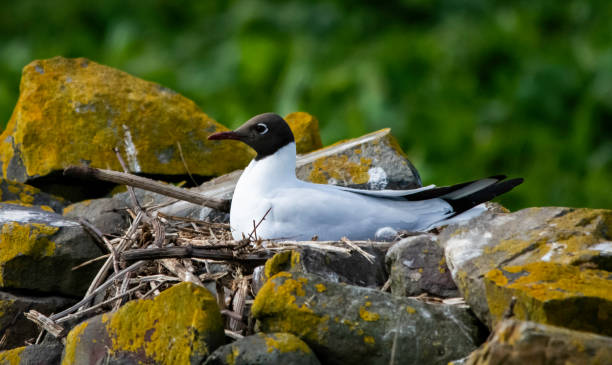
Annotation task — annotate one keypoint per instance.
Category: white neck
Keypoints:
(275, 169)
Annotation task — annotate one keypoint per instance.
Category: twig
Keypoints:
(233, 335)
(90, 261)
(45, 322)
(126, 170)
(185, 163)
(367, 256)
(147, 184)
(190, 251)
(95, 234)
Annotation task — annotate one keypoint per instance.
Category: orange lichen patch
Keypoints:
(553, 293)
(86, 109)
(367, 315)
(340, 168)
(320, 287)
(24, 239)
(11, 357)
(305, 128)
(277, 310)
(284, 342)
(182, 322)
(72, 341)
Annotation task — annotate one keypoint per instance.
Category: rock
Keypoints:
(14, 326)
(547, 257)
(182, 325)
(374, 161)
(26, 195)
(338, 267)
(45, 354)
(517, 342)
(305, 128)
(38, 250)
(106, 214)
(73, 111)
(417, 265)
(346, 324)
(264, 349)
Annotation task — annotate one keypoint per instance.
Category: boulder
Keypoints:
(73, 111)
(556, 261)
(417, 265)
(182, 325)
(14, 326)
(518, 343)
(22, 194)
(106, 214)
(38, 250)
(264, 349)
(305, 128)
(44, 354)
(346, 324)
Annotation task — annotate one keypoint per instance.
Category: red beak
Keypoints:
(225, 135)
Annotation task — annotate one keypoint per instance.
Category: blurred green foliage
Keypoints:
(470, 88)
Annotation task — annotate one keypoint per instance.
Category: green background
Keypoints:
(470, 88)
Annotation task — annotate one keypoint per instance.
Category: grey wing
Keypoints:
(385, 193)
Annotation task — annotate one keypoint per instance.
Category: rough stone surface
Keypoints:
(264, 349)
(374, 161)
(519, 343)
(349, 268)
(26, 195)
(182, 325)
(346, 324)
(305, 128)
(73, 111)
(557, 261)
(46, 354)
(106, 214)
(38, 250)
(14, 326)
(417, 265)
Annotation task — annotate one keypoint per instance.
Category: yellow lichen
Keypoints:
(410, 309)
(11, 357)
(231, 358)
(72, 341)
(305, 128)
(367, 315)
(96, 110)
(320, 287)
(284, 342)
(276, 308)
(181, 322)
(340, 168)
(282, 261)
(369, 340)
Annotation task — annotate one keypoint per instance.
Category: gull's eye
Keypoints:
(261, 128)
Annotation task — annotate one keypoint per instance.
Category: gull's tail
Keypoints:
(467, 195)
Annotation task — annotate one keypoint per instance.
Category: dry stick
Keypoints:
(238, 304)
(233, 335)
(367, 256)
(95, 232)
(104, 286)
(130, 189)
(187, 219)
(45, 322)
(147, 184)
(189, 252)
(185, 163)
(90, 261)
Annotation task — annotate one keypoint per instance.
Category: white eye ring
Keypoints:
(265, 128)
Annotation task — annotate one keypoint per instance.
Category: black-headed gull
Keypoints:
(299, 210)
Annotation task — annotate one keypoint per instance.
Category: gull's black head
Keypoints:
(265, 133)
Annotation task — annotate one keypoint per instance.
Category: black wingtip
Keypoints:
(467, 202)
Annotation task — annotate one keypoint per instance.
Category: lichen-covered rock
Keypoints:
(44, 354)
(417, 265)
(106, 214)
(374, 161)
(182, 325)
(538, 254)
(26, 195)
(72, 111)
(305, 128)
(518, 343)
(38, 250)
(352, 268)
(264, 349)
(14, 326)
(346, 324)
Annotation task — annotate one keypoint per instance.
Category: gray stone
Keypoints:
(555, 261)
(43, 354)
(38, 250)
(417, 265)
(106, 214)
(23, 194)
(264, 349)
(518, 343)
(345, 324)
(14, 326)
